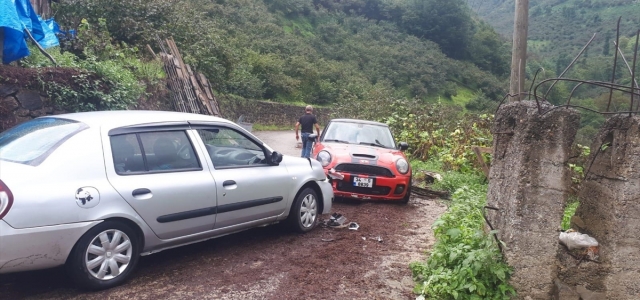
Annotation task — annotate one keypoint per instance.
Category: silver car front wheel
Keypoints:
(104, 256)
(304, 211)
(308, 210)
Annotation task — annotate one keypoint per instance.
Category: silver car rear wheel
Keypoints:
(304, 211)
(105, 255)
(108, 254)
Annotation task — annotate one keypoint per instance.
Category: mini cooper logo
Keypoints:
(364, 161)
(87, 197)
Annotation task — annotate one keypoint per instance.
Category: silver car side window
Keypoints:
(229, 148)
(168, 150)
(127, 156)
(153, 152)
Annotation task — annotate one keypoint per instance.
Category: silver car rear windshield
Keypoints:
(32, 142)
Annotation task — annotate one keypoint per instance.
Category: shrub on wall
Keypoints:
(111, 75)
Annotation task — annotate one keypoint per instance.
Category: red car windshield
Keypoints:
(359, 134)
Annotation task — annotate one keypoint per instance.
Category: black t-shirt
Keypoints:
(307, 122)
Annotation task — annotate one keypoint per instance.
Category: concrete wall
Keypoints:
(610, 212)
(529, 184)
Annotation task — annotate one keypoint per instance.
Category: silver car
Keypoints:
(93, 191)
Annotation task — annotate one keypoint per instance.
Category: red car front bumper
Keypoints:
(384, 188)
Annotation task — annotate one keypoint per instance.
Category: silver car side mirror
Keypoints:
(276, 158)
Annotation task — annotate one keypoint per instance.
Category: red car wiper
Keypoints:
(373, 144)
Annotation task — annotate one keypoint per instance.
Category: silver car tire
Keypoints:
(104, 256)
(304, 211)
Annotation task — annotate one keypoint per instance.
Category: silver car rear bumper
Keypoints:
(38, 247)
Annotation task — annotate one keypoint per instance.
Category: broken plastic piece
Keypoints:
(575, 240)
(354, 226)
(335, 175)
(336, 220)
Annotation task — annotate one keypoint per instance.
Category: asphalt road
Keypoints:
(281, 141)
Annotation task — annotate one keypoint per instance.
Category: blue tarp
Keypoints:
(15, 16)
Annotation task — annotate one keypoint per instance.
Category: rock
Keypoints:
(30, 100)
(38, 113)
(21, 112)
(586, 294)
(8, 104)
(564, 292)
(12, 120)
(8, 89)
(575, 220)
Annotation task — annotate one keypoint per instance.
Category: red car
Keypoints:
(363, 162)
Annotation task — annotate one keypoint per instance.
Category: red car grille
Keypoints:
(364, 169)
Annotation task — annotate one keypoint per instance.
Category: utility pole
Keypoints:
(519, 50)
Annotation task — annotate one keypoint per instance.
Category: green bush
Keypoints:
(465, 262)
(37, 60)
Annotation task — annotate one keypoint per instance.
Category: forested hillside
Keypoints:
(312, 51)
(558, 27)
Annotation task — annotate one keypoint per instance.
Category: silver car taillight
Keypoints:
(6, 199)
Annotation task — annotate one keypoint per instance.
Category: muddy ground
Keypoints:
(273, 263)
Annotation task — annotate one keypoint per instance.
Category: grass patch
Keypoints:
(569, 211)
(463, 96)
(260, 127)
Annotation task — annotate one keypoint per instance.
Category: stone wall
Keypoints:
(18, 105)
(529, 184)
(269, 113)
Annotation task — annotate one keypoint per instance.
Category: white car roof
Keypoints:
(119, 118)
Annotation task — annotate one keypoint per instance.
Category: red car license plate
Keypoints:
(363, 182)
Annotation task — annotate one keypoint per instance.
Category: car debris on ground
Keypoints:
(354, 226)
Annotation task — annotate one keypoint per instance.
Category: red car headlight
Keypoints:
(402, 165)
(324, 158)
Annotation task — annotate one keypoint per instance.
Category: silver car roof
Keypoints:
(119, 118)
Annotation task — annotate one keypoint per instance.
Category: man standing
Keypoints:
(308, 120)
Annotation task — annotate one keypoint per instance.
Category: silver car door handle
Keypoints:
(139, 192)
(228, 182)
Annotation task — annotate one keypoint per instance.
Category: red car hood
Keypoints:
(349, 153)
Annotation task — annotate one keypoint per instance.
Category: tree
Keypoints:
(446, 22)
(489, 51)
